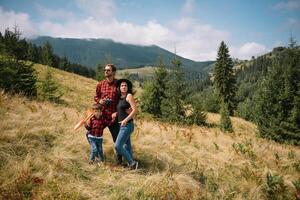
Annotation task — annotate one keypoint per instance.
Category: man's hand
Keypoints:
(102, 101)
(113, 116)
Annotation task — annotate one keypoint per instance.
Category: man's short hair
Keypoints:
(113, 67)
(97, 106)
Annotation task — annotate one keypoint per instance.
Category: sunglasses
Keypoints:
(107, 70)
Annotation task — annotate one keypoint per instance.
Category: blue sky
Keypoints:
(194, 27)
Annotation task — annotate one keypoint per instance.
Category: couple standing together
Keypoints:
(115, 101)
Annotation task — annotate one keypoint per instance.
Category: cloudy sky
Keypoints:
(194, 27)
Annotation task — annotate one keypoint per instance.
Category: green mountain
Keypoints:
(90, 52)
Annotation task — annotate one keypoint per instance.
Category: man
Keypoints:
(107, 96)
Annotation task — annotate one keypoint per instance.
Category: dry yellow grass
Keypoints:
(41, 157)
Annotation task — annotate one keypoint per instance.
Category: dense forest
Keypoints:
(14, 46)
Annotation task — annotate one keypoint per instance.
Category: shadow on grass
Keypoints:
(148, 163)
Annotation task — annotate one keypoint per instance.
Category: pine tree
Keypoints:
(64, 64)
(154, 91)
(49, 88)
(173, 105)
(31, 53)
(47, 54)
(99, 72)
(224, 78)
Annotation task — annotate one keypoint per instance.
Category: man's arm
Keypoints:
(98, 93)
(97, 98)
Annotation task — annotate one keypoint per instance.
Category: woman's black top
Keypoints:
(122, 106)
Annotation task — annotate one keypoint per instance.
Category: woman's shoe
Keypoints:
(134, 165)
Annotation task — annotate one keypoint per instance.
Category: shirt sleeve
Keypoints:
(88, 125)
(108, 121)
(98, 93)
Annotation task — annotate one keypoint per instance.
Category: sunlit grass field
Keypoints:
(42, 157)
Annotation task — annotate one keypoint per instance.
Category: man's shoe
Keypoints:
(119, 160)
(91, 162)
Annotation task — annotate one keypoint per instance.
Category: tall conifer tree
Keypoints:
(154, 92)
(47, 54)
(224, 78)
(225, 83)
(173, 105)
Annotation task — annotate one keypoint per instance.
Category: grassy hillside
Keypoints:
(41, 157)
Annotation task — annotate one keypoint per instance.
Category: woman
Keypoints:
(126, 101)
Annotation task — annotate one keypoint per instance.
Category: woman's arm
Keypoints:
(132, 103)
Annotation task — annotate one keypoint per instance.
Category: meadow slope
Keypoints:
(42, 157)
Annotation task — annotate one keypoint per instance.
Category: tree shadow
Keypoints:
(149, 163)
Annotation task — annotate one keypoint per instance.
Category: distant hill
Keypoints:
(90, 52)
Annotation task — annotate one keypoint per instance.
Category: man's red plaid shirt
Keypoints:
(108, 90)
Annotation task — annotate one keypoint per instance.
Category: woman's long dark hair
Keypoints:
(129, 88)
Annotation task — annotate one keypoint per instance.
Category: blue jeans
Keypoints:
(96, 148)
(123, 143)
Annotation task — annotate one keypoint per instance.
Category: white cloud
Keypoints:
(248, 50)
(8, 19)
(200, 42)
(183, 24)
(194, 41)
(289, 5)
(150, 33)
(99, 9)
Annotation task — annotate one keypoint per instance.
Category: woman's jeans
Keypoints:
(96, 148)
(123, 143)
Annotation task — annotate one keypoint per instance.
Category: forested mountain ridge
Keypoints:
(91, 52)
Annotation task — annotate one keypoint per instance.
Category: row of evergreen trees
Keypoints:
(11, 44)
(165, 96)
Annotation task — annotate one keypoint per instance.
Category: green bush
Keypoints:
(274, 187)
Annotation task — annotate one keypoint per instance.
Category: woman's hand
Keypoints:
(123, 123)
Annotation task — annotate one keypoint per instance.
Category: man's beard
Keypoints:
(108, 75)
